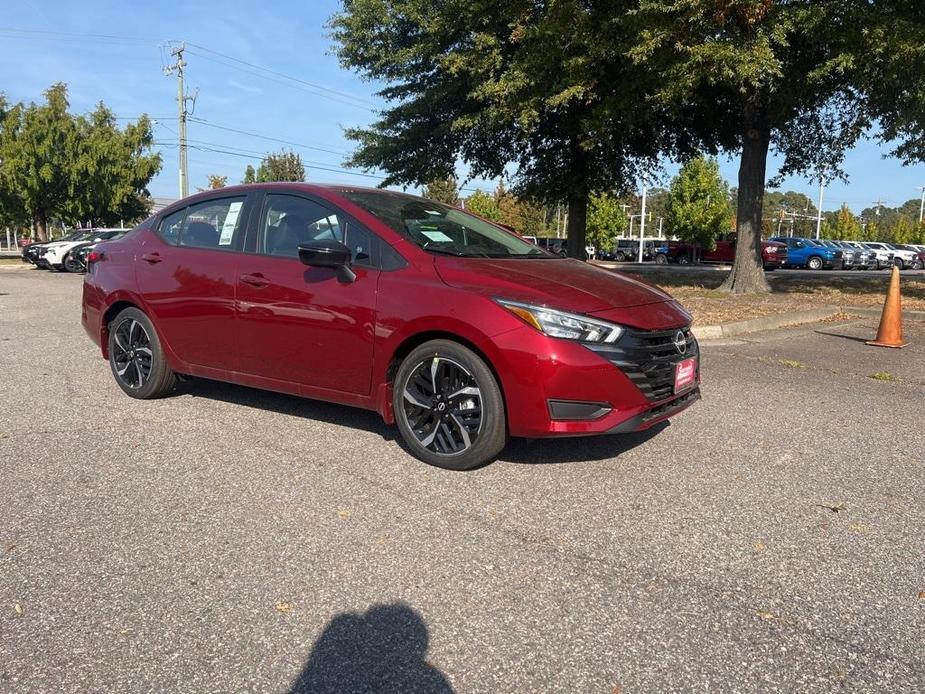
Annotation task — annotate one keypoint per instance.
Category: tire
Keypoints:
(620, 256)
(71, 264)
(917, 265)
(136, 357)
(439, 427)
(898, 262)
(814, 263)
(661, 259)
(684, 259)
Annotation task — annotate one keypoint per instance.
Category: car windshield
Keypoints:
(438, 228)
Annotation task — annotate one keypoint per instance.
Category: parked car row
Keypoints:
(780, 252)
(70, 252)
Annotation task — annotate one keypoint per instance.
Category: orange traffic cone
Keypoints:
(890, 332)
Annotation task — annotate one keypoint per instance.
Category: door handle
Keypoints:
(152, 258)
(256, 280)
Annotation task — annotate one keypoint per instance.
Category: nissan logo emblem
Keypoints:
(680, 342)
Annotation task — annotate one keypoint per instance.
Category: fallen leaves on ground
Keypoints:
(697, 291)
(284, 607)
(343, 513)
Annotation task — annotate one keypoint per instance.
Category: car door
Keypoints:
(305, 325)
(186, 274)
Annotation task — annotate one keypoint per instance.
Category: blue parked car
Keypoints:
(811, 254)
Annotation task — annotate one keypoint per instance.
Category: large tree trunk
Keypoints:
(577, 222)
(41, 225)
(748, 269)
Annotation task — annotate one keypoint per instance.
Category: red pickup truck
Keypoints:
(773, 253)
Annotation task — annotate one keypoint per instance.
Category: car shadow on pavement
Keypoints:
(382, 650)
(282, 403)
(575, 449)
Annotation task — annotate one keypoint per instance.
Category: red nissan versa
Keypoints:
(454, 328)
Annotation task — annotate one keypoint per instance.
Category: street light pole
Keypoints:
(642, 219)
(922, 205)
(819, 210)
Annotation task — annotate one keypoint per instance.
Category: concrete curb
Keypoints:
(779, 320)
(776, 320)
(870, 312)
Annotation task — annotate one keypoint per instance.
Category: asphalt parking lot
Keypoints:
(225, 539)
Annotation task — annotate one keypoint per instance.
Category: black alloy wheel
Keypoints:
(448, 406)
(136, 357)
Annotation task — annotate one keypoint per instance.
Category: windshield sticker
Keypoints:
(437, 236)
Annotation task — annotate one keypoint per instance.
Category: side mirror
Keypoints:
(329, 253)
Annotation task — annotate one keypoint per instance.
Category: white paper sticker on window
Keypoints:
(231, 221)
(437, 236)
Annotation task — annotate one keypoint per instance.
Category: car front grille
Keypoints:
(648, 358)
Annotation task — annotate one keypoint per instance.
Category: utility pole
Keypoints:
(642, 218)
(181, 114)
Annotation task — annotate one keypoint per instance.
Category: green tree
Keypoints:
(698, 203)
(57, 166)
(280, 166)
(250, 175)
(846, 226)
(903, 230)
(606, 220)
(39, 146)
(445, 190)
(484, 205)
(544, 87)
(807, 77)
(111, 170)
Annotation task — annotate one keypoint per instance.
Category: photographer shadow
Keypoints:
(382, 650)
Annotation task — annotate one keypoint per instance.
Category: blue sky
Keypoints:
(289, 38)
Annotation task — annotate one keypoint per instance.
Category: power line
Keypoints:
(299, 80)
(203, 121)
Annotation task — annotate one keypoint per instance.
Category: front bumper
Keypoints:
(561, 388)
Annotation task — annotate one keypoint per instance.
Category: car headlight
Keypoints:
(567, 326)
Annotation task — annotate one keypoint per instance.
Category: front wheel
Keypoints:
(814, 263)
(917, 264)
(448, 406)
(661, 259)
(137, 358)
(71, 264)
(620, 256)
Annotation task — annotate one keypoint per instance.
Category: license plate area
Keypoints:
(685, 374)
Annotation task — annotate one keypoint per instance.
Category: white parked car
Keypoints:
(884, 253)
(56, 254)
(902, 257)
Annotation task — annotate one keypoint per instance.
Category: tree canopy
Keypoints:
(58, 166)
(804, 77)
(445, 190)
(278, 166)
(495, 84)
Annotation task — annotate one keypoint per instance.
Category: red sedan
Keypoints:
(457, 330)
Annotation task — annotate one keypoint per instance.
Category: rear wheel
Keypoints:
(448, 406)
(661, 259)
(621, 256)
(684, 259)
(137, 358)
(814, 263)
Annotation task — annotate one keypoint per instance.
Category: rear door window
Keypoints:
(208, 224)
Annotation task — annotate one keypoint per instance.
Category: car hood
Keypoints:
(566, 284)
